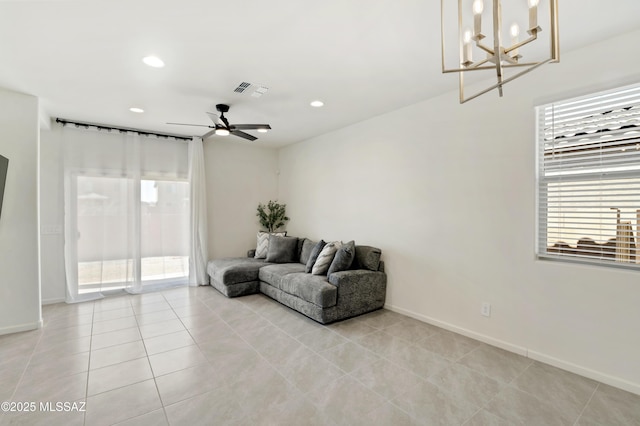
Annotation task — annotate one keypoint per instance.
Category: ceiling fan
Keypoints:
(223, 128)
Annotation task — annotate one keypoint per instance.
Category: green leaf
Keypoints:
(272, 216)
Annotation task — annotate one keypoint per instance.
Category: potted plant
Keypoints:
(272, 216)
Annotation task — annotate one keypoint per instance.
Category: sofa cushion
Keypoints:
(310, 288)
(273, 274)
(234, 270)
(343, 258)
(307, 247)
(262, 243)
(367, 257)
(282, 249)
(313, 256)
(325, 258)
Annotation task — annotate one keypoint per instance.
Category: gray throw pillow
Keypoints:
(314, 255)
(282, 249)
(367, 257)
(307, 246)
(299, 248)
(343, 258)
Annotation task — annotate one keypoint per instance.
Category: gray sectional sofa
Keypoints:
(358, 288)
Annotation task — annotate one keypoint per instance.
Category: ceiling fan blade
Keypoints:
(187, 124)
(212, 116)
(243, 135)
(206, 135)
(250, 126)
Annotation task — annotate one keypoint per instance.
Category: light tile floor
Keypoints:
(190, 356)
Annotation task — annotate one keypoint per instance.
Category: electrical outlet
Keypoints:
(485, 310)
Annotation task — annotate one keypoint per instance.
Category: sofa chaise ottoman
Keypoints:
(359, 289)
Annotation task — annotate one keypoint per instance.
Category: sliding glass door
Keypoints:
(164, 230)
(131, 233)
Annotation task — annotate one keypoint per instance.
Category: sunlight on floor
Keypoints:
(111, 274)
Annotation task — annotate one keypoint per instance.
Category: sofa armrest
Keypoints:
(251, 253)
(359, 281)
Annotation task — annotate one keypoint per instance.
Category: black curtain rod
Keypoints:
(121, 129)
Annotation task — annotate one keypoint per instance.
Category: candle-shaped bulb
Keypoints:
(467, 36)
(515, 31)
(467, 55)
(478, 6)
(533, 17)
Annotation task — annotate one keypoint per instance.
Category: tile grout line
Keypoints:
(86, 390)
(128, 296)
(286, 379)
(586, 405)
(144, 345)
(186, 368)
(155, 382)
(135, 315)
(24, 370)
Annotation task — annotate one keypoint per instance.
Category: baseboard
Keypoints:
(53, 301)
(546, 359)
(21, 327)
(463, 331)
(607, 379)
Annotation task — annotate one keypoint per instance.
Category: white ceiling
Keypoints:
(82, 58)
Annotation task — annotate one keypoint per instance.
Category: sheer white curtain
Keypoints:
(197, 181)
(126, 212)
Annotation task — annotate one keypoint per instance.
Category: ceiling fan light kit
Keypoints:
(224, 128)
(498, 53)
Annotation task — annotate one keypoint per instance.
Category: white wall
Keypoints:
(52, 216)
(239, 177)
(447, 191)
(19, 252)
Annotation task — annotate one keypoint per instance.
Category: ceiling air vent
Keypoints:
(242, 87)
(255, 90)
(260, 90)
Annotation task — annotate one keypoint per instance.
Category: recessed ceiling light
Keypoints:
(153, 61)
(138, 110)
(317, 104)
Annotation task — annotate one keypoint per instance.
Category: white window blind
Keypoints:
(589, 178)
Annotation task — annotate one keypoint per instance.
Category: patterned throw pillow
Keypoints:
(325, 258)
(262, 245)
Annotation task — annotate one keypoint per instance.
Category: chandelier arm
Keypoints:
(475, 65)
(497, 85)
(522, 43)
(491, 67)
(485, 48)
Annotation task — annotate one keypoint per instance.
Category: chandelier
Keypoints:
(497, 50)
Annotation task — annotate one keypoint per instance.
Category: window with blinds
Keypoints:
(589, 178)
